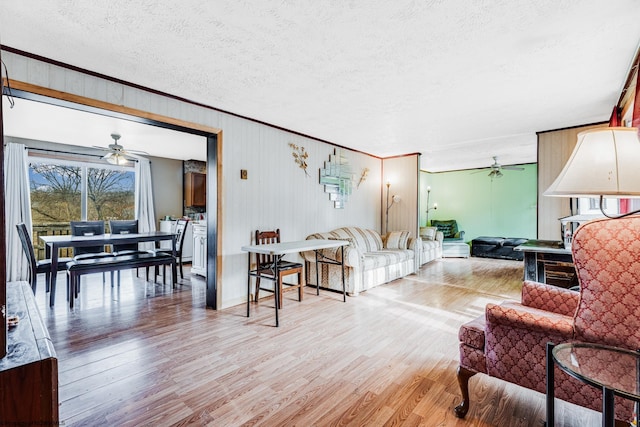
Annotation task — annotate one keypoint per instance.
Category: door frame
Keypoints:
(214, 158)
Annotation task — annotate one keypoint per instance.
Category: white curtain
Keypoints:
(17, 207)
(144, 199)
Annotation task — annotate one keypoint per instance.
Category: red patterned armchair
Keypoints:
(508, 341)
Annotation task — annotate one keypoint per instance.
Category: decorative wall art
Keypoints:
(300, 155)
(337, 179)
(363, 176)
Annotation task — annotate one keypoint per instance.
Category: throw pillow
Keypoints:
(428, 233)
(397, 240)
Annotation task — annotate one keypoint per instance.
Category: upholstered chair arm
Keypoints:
(460, 235)
(519, 317)
(439, 236)
(549, 298)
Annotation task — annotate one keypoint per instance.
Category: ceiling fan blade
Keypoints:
(132, 156)
(513, 168)
(139, 152)
(101, 148)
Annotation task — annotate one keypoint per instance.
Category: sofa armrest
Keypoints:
(517, 316)
(414, 243)
(549, 298)
(440, 237)
(459, 235)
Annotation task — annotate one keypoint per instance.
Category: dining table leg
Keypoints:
(248, 282)
(344, 289)
(52, 254)
(276, 284)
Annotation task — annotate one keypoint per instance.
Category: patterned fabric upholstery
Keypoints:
(509, 343)
(367, 262)
(606, 254)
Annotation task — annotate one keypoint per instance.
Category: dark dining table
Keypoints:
(54, 243)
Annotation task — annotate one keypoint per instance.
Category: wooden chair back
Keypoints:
(264, 238)
(27, 247)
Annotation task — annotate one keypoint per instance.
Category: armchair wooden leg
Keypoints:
(300, 286)
(463, 381)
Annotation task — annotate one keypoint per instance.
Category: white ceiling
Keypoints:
(458, 81)
(75, 127)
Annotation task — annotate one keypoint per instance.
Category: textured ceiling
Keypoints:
(458, 81)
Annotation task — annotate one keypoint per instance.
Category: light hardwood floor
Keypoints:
(147, 355)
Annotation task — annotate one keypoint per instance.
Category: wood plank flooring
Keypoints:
(146, 355)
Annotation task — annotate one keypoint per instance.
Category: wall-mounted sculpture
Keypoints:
(337, 179)
(300, 155)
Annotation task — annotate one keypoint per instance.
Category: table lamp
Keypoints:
(605, 163)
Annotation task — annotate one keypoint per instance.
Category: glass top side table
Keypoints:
(614, 370)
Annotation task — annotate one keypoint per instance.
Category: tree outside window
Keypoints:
(58, 192)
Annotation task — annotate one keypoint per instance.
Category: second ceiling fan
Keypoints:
(496, 168)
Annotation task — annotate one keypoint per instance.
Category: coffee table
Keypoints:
(614, 370)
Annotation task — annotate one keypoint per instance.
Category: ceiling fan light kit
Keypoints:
(117, 155)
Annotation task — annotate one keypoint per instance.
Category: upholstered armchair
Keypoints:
(449, 229)
(509, 340)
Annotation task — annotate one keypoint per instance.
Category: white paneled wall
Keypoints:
(277, 193)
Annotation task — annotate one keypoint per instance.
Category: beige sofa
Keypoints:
(369, 259)
(431, 244)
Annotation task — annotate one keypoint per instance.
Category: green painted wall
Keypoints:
(503, 207)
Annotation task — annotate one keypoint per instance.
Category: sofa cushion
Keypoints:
(366, 240)
(397, 240)
(513, 241)
(484, 240)
(383, 258)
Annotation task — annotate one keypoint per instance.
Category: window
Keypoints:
(591, 206)
(63, 191)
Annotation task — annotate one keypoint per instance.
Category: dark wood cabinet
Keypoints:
(195, 189)
(29, 371)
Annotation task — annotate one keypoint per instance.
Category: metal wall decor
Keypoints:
(300, 155)
(363, 176)
(337, 179)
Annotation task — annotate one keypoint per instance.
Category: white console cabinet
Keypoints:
(199, 262)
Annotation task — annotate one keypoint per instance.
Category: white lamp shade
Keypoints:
(605, 161)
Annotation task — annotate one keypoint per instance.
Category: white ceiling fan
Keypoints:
(117, 155)
(496, 168)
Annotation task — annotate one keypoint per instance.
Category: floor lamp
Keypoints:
(434, 207)
(394, 199)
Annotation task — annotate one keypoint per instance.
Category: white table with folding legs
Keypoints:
(279, 250)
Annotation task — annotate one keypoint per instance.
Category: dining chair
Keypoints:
(41, 266)
(264, 268)
(181, 228)
(89, 228)
(126, 226)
